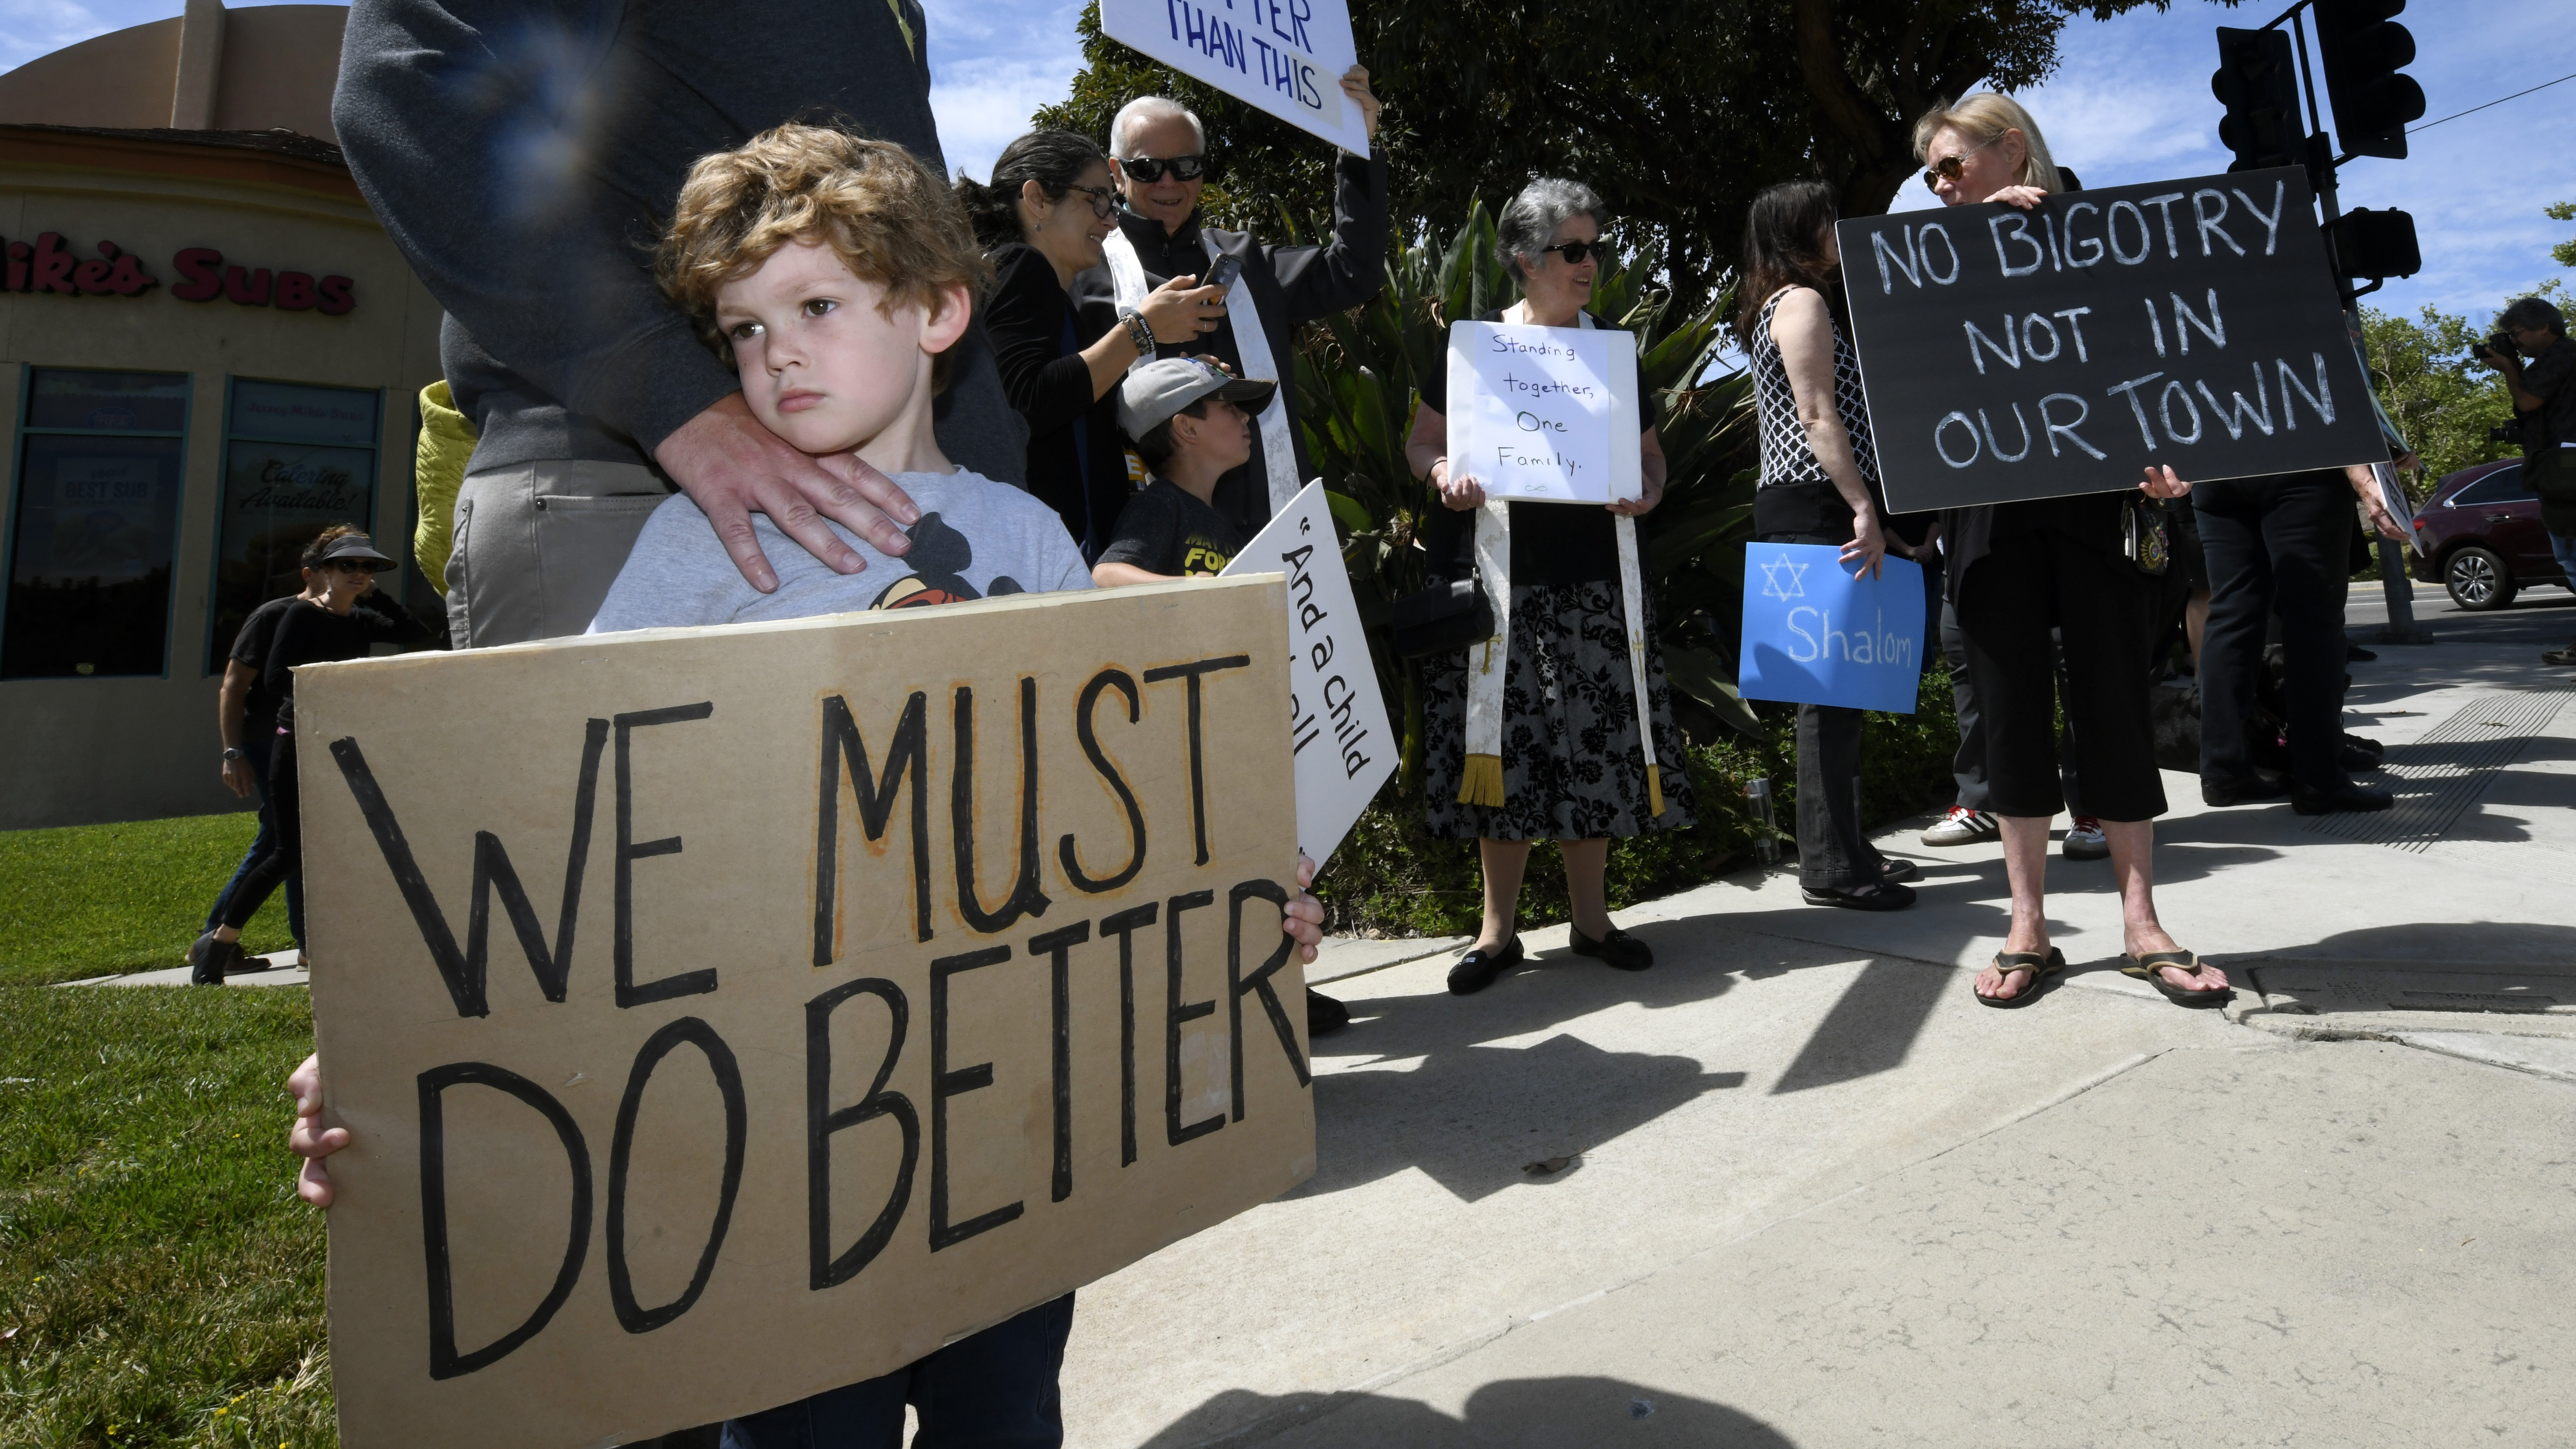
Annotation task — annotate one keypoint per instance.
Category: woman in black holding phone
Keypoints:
(1042, 220)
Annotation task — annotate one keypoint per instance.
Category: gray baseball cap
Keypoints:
(1152, 393)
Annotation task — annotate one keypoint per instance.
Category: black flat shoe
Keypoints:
(1618, 949)
(208, 958)
(2242, 792)
(1324, 1015)
(1892, 871)
(1885, 898)
(2350, 799)
(1477, 969)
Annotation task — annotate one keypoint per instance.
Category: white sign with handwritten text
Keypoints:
(1284, 56)
(1544, 414)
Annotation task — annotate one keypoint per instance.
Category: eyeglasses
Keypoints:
(1103, 200)
(1576, 253)
(1150, 170)
(1951, 168)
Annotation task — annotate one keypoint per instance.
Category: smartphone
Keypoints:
(1223, 272)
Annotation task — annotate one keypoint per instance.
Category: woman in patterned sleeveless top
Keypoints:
(1819, 486)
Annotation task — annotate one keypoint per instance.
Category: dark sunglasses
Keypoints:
(1103, 200)
(1578, 252)
(1951, 168)
(1149, 170)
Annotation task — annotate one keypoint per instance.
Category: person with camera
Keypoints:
(2544, 405)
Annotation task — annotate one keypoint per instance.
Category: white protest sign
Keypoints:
(1544, 414)
(1285, 56)
(1337, 719)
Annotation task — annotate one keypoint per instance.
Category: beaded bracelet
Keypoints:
(1137, 332)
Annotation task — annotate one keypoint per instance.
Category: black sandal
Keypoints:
(1477, 969)
(2146, 968)
(2040, 968)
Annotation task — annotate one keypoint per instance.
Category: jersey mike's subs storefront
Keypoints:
(209, 351)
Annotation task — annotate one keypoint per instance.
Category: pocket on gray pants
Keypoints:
(581, 543)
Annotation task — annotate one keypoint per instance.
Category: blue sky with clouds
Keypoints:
(2129, 103)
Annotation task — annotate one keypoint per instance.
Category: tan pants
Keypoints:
(538, 544)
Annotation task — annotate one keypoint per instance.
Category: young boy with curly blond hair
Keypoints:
(835, 273)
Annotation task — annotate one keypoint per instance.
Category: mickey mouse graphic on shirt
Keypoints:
(938, 558)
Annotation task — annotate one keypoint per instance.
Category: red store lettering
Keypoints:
(50, 264)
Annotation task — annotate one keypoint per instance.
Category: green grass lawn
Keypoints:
(160, 1284)
(94, 900)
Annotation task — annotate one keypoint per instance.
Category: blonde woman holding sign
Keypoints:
(1536, 734)
(2016, 570)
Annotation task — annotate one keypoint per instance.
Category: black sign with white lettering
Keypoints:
(2011, 354)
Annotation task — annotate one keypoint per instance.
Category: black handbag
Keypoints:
(1443, 619)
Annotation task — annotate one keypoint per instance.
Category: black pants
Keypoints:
(285, 859)
(991, 1390)
(1833, 846)
(1968, 766)
(2101, 607)
(2274, 544)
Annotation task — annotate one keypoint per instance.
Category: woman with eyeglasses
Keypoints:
(1041, 220)
(1573, 766)
(2019, 570)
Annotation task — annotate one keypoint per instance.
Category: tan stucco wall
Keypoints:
(277, 66)
(78, 751)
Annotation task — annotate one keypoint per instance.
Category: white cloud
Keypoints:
(30, 28)
(990, 68)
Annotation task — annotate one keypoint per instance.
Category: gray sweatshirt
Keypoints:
(524, 153)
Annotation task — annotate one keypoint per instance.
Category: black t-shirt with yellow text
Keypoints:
(1164, 530)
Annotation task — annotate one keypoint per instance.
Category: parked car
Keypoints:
(2480, 537)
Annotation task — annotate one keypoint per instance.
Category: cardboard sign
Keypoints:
(1285, 56)
(2010, 354)
(1545, 414)
(1336, 718)
(1815, 633)
(724, 1015)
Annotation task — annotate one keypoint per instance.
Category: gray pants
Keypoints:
(538, 544)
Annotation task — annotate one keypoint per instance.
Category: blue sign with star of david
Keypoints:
(1816, 634)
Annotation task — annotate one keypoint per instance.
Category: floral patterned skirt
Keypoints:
(1573, 768)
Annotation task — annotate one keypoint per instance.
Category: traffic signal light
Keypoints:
(2362, 49)
(2373, 245)
(2259, 84)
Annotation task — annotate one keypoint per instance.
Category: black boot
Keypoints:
(210, 958)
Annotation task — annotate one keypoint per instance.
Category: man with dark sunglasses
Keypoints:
(1158, 155)
(1159, 158)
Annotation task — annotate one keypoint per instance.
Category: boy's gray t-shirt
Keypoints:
(976, 539)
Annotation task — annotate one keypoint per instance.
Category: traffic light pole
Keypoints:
(2395, 588)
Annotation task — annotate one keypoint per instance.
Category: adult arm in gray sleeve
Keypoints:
(1320, 281)
(471, 126)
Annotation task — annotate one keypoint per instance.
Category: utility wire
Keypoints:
(2500, 100)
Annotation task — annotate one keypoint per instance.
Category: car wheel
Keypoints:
(2478, 579)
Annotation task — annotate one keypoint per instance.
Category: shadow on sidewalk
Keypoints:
(1511, 1412)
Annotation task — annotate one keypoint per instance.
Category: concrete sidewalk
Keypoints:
(1796, 1187)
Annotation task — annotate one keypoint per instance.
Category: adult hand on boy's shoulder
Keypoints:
(732, 467)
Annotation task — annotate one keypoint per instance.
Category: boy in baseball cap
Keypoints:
(1191, 422)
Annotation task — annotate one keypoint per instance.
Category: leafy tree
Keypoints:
(2564, 252)
(1676, 114)
(2442, 399)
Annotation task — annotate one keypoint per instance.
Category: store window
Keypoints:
(296, 460)
(100, 471)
